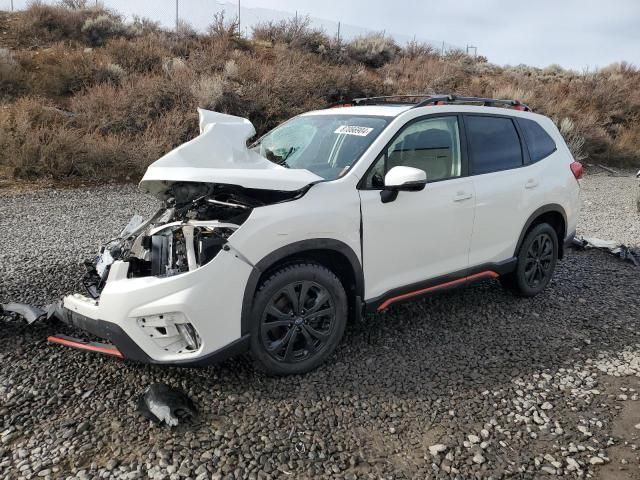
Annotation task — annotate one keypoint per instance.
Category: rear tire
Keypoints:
(298, 319)
(537, 260)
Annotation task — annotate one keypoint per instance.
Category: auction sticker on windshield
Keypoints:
(354, 130)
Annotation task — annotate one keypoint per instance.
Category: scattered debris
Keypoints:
(28, 312)
(620, 250)
(31, 313)
(163, 403)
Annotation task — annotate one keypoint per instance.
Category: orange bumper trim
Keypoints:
(88, 346)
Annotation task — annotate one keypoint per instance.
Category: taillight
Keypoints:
(577, 170)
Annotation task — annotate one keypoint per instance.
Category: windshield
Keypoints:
(326, 145)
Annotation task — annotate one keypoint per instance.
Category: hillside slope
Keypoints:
(84, 95)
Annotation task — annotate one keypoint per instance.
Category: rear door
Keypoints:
(420, 235)
(540, 148)
(496, 159)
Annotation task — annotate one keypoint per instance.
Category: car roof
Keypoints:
(392, 110)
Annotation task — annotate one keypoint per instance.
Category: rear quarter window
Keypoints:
(494, 144)
(539, 143)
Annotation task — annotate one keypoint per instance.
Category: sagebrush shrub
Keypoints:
(132, 107)
(101, 28)
(40, 24)
(13, 79)
(208, 90)
(141, 55)
(295, 32)
(143, 26)
(374, 50)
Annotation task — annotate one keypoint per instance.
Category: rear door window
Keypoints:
(539, 143)
(494, 143)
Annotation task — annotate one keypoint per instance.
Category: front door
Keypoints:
(420, 235)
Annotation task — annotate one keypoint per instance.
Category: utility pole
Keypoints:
(475, 50)
(338, 33)
(12, 5)
(177, 17)
(442, 54)
(239, 29)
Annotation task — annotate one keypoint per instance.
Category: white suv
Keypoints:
(272, 247)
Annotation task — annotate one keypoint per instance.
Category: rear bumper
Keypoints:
(127, 349)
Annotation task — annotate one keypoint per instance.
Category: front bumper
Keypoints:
(209, 299)
(122, 346)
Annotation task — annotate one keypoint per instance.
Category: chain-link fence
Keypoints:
(200, 13)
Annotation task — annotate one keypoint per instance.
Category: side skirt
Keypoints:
(439, 284)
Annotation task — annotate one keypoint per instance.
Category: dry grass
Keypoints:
(84, 95)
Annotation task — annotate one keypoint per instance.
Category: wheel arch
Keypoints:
(335, 255)
(554, 215)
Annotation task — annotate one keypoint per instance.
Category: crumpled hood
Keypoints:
(220, 155)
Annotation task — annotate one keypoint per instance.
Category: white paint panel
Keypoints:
(418, 236)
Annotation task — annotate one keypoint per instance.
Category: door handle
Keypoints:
(531, 183)
(462, 196)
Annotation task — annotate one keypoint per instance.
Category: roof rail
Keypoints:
(390, 100)
(422, 100)
(486, 102)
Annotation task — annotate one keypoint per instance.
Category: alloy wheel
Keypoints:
(297, 321)
(539, 260)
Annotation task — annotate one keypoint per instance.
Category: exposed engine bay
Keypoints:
(192, 226)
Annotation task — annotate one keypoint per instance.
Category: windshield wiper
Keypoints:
(288, 154)
(277, 159)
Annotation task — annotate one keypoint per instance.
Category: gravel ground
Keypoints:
(468, 384)
(610, 208)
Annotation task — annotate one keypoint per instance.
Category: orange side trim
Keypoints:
(476, 276)
(113, 351)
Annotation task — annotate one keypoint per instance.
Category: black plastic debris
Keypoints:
(162, 403)
(31, 313)
(620, 250)
(28, 312)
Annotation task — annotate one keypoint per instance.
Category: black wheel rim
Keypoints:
(537, 268)
(297, 321)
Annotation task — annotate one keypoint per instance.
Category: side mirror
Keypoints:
(406, 179)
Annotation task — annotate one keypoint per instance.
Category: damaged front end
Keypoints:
(193, 226)
(170, 289)
(189, 230)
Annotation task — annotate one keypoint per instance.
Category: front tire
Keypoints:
(537, 260)
(298, 319)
